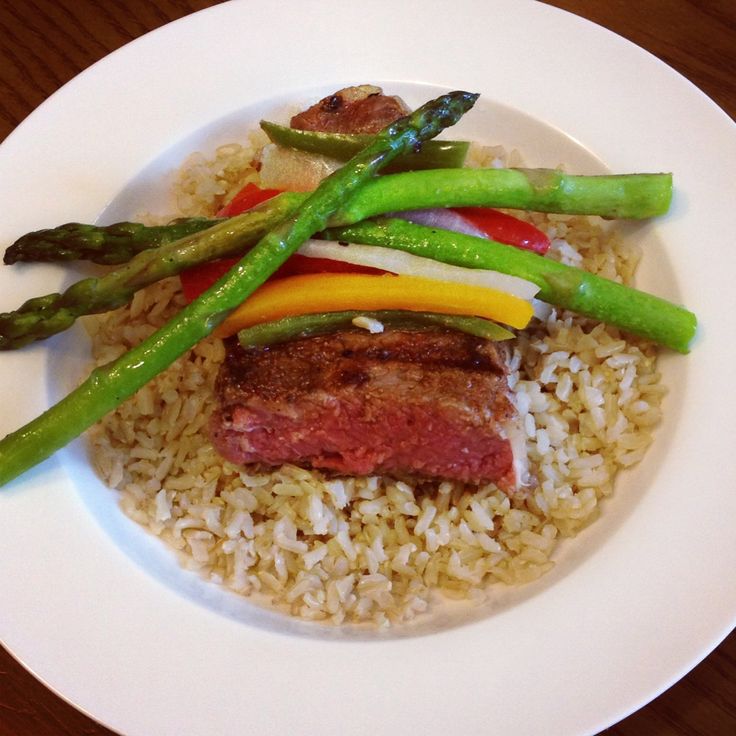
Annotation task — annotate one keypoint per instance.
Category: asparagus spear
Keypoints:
(619, 196)
(110, 385)
(633, 196)
(571, 288)
(43, 316)
(107, 244)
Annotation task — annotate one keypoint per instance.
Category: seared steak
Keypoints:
(363, 109)
(430, 404)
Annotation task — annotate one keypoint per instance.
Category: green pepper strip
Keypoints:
(341, 146)
(571, 288)
(309, 325)
(110, 385)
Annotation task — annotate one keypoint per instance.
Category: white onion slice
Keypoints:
(396, 261)
(295, 171)
(442, 218)
(542, 310)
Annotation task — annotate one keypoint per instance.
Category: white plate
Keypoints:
(99, 613)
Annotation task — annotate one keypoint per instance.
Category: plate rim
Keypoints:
(36, 488)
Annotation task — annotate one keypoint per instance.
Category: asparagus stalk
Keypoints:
(571, 288)
(43, 316)
(110, 385)
(632, 196)
(108, 245)
(341, 146)
(615, 196)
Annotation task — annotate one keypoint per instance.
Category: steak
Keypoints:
(425, 404)
(363, 109)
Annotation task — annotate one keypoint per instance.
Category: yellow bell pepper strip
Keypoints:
(316, 293)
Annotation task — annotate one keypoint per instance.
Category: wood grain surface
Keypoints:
(44, 43)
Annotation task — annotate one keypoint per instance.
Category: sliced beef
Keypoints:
(363, 109)
(421, 403)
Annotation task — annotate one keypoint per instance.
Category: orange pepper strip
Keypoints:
(316, 293)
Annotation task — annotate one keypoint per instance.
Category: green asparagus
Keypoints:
(309, 325)
(634, 196)
(571, 288)
(43, 316)
(622, 196)
(108, 245)
(110, 385)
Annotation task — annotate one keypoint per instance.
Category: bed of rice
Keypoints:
(372, 549)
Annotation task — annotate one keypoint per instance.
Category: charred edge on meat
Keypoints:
(426, 404)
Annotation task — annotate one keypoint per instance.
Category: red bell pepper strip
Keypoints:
(249, 196)
(496, 225)
(195, 281)
(506, 228)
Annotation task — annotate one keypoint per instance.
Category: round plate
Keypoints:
(101, 614)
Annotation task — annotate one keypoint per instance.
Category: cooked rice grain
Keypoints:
(374, 549)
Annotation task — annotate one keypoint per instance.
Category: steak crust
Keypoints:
(429, 404)
(362, 109)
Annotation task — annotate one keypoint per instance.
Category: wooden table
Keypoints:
(44, 43)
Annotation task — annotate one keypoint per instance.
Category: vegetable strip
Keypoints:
(571, 288)
(341, 146)
(633, 196)
(107, 245)
(110, 385)
(309, 325)
(624, 196)
(334, 292)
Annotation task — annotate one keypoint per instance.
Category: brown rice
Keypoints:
(372, 549)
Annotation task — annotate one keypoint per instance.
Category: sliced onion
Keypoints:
(396, 261)
(443, 219)
(542, 310)
(295, 171)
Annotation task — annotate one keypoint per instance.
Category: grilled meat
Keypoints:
(363, 109)
(430, 404)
